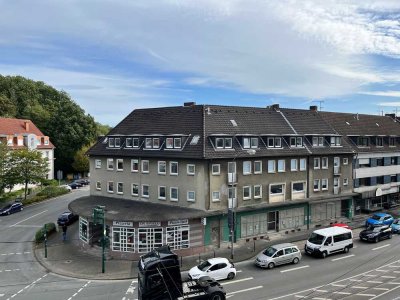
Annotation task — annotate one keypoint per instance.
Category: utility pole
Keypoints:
(99, 218)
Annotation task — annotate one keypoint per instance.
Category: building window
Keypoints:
(392, 142)
(324, 184)
(363, 141)
(298, 187)
(123, 239)
(191, 196)
(316, 163)
(128, 143)
(246, 192)
(152, 143)
(271, 166)
(215, 169)
(246, 167)
(324, 163)
(316, 184)
(281, 165)
(117, 142)
(336, 140)
(258, 167)
(162, 167)
(110, 164)
(345, 161)
(110, 187)
(276, 189)
(250, 142)
(145, 190)
(173, 143)
(98, 163)
(257, 191)
(293, 165)
(120, 164)
(162, 193)
(148, 143)
(393, 160)
(177, 237)
(149, 238)
(156, 143)
(296, 142)
(215, 196)
(173, 196)
(111, 142)
(379, 141)
(223, 143)
(134, 165)
(318, 141)
(173, 168)
(83, 229)
(177, 143)
(345, 181)
(145, 166)
(191, 169)
(98, 185)
(120, 187)
(274, 142)
(135, 142)
(302, 164)
(135, 189)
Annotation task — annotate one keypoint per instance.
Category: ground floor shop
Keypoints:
(370, 202)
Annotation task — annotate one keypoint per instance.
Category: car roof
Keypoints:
(66, 213)
(332, 230)
(218, 260)
(380, 214)
(283, 245)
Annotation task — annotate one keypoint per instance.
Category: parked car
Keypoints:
(376, 233)
(75, 185)
(344, 225)
(217, 268)
(67, 218)
(66, 186)
(379, 219)
(11, 208)
(82, 181)
(280, 254)
(396, 226)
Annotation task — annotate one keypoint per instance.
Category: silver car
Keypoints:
(278, 255)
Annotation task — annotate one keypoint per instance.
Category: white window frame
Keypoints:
(317, 163)
(159, 192)
(138, 189)
(161, 163)
(110, 184)
(257, 195)
(279, 169)
(175, 238)
(117, 142)
(98, 163)
(83, 234)
(247, 167)
(213, 172)
(345, 181)
(135, 142)
(319, 185)
(248, 189)
(214, 193)
(304, 161)
(144, 186)
(293, 164)
(169, 143)
(345, 161)
(150, 243)
(120, 188)
(171, 164)
(128, 143)
(177, 143)
(111, 142)
(98, 185)
(259, 164)
(120, 160)
(123, 244)
(110, 164)
(144, 170)
(171, 193)
(304, 186)
(274, 194)
(271, 166)
(189, 198)
(246, 143)
(133, 163)
(191, 169)
(148, 143)
(322, 185)
(324, 166)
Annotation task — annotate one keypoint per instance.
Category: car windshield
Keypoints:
(204, 265)
(7, 206)
(397, 221)
(316, 238)
(269, 251)
(375, 217)
(376, 229)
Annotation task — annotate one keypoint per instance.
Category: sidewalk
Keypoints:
(67, 259)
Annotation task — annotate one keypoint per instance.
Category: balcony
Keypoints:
(232, 178)
(336, 170)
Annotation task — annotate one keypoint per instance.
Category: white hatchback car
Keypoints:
(217, 268)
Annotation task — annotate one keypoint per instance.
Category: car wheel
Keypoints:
(231, 275)
(271, 265)
(21, 209)
(390, 236)
(346, 250)
(376, 239)
(295, 260)
(8, 213)
(217, 296)
(324, 254)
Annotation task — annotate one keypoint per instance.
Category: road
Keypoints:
(369, 271)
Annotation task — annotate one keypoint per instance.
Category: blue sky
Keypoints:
(115, 56)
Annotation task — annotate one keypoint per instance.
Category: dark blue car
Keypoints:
(379, 219)
(11, 208)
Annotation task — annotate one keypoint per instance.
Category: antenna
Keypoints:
(381, 112)
(320, 104)
(396, 110)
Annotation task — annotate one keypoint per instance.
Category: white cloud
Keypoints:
(389, 104)
(383, 93)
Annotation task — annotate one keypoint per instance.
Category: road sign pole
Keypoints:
(103, 265)
(45, 240)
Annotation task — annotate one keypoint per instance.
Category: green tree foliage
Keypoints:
(28, 166)
(4, 167)
(102, 129)
(81, 161)
(53, 112)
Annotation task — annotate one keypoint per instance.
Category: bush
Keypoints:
(39, 236)
(49, 182)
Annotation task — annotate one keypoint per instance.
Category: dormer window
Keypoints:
(274, 142)
(111, 143)
(296, 142)
(250, 142)
(363, 141)
(128, 143)
(336, 140)
(223, 143)
(135, 142)
(379, 141)
(152, 143)
(392, 141)
(172, 143)
(117, 142)
(318, 141)
(177, 143)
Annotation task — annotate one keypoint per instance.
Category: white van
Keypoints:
(323, 242)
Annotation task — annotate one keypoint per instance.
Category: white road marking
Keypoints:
(130, 290)
(318, 298)
(28, 218)
(386, 292)
(393, 282)
(377, 248)
(343, 257)
(235, 281)
(356, 280)
(396, 272)
(387, 276)
(28, 226)
(245, 290)
(85, 285)
(374, 281)
(321, 291)
(342, 293)
(338, 285)
(394, 266)
(380, 289)
(28, 286)
(366, 295)
(359, 287)
(294, 269)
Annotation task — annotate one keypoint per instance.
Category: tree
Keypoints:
(81, 161)
(29, 166)
(4, 166)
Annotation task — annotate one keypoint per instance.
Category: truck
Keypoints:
(160, 278)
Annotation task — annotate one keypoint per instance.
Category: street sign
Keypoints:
(59, 174)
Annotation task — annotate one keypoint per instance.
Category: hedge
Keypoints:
(39, 236)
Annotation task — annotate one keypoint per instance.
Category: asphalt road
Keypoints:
(369, 271)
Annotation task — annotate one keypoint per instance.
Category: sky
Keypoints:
(114, 56)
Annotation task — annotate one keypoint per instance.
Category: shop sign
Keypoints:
(149, 224)
(122, 223)
(178, 222)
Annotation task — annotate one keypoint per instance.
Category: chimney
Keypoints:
(393, 116)
(314, 108)
(187, 104)
(26, 125)
(275, 106)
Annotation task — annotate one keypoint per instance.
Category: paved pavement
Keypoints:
(68, 259)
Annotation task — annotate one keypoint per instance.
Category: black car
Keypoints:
(376, 233)
(82, 181)
(11, 208)
(67, 218)
(75, 185)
